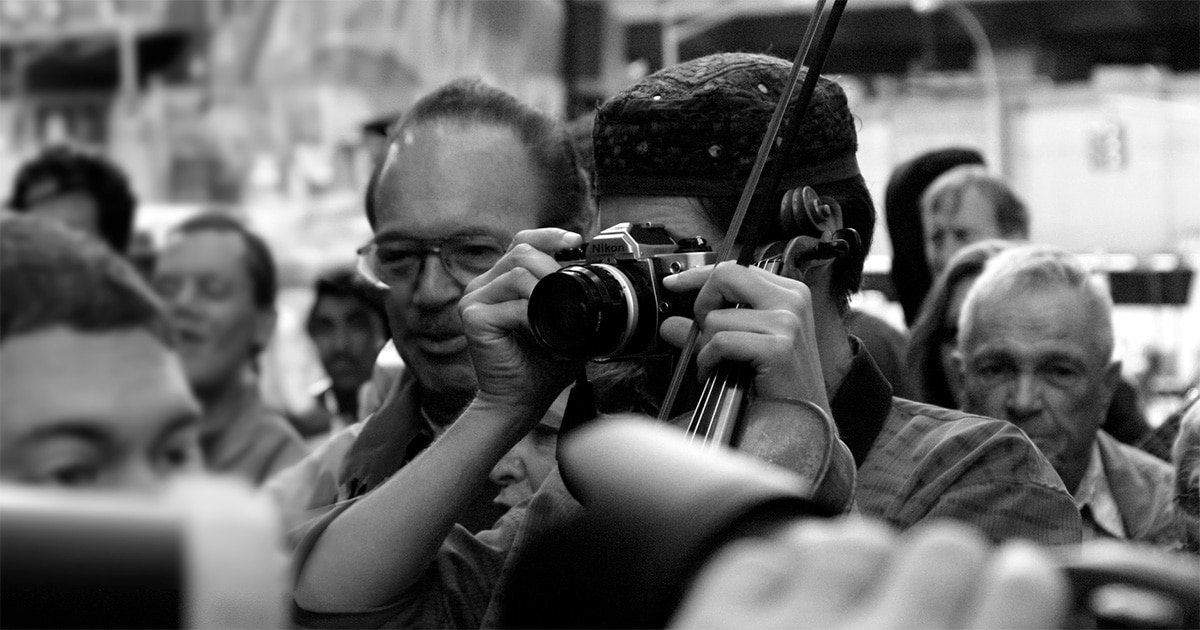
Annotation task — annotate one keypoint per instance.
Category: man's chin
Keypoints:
(442, 378)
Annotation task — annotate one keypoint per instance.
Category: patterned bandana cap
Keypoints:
(694, 130)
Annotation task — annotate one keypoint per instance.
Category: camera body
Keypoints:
(608, 301)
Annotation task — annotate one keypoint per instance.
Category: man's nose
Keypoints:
(1024, 400)
(186, 299)
(435, 286)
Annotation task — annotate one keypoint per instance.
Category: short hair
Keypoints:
(928, 332)
(947, 191)
(54, 276)
(345, 281)
(1037, 268)
(260, 265)
(566, 189)
(71, 169)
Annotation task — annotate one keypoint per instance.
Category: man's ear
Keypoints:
(957, 375)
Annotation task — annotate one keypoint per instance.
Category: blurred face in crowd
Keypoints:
(949, 229)
(472, 183)
(98, 410)
(348, 335)
(1037, 359)
(73, 208)
(202, 276)
(524, 467)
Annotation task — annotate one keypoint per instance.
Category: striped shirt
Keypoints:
(918, 462)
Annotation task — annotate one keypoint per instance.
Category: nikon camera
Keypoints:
(608, 301)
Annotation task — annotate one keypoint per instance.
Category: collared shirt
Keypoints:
(887, 345)
(1094, 498)
(325, 418)
(916, 462)
(919, 462)
(1127, 494)
(255, 446)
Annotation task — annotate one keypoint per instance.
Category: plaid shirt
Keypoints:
(919, 462)
(915, 462)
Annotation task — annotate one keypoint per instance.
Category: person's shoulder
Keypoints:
(949, 435)
(924, 417)
(274, 423)
(932, 462)
(864, 325)
(281, 444)
(1139, 462)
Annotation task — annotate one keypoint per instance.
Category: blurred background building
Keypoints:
(1090, 109)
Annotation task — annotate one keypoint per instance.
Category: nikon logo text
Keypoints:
(601, 248)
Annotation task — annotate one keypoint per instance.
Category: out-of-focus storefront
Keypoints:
(1091, 110)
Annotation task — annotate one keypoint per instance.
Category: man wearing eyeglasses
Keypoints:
(467, 168)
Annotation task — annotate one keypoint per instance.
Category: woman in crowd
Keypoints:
(934, 334)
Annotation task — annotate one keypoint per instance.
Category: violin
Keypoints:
(796, 435)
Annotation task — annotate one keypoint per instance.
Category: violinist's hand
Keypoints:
(852, 573)
(773, 331)
(512, 371)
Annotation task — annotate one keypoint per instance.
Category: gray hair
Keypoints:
(1038, 268)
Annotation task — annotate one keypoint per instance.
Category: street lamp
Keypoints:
(989, 75)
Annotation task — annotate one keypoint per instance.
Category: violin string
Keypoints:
(764, 150)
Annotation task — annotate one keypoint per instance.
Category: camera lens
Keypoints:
(585, 311)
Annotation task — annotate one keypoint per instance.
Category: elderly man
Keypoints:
(218, 280)
(1035, 348)
(662, 158)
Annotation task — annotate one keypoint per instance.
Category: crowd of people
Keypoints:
(992, 445)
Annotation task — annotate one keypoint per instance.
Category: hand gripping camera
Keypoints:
(608, 301)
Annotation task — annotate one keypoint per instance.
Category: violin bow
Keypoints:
(827, 24)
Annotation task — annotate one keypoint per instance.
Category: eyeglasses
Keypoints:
(395, 262)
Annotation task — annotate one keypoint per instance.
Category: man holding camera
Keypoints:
(467, 168)
(662, 159)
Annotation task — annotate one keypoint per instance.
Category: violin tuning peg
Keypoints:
(818, 212)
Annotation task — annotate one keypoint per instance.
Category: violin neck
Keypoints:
(714, 422)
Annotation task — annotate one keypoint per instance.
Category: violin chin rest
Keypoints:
(799, 436)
